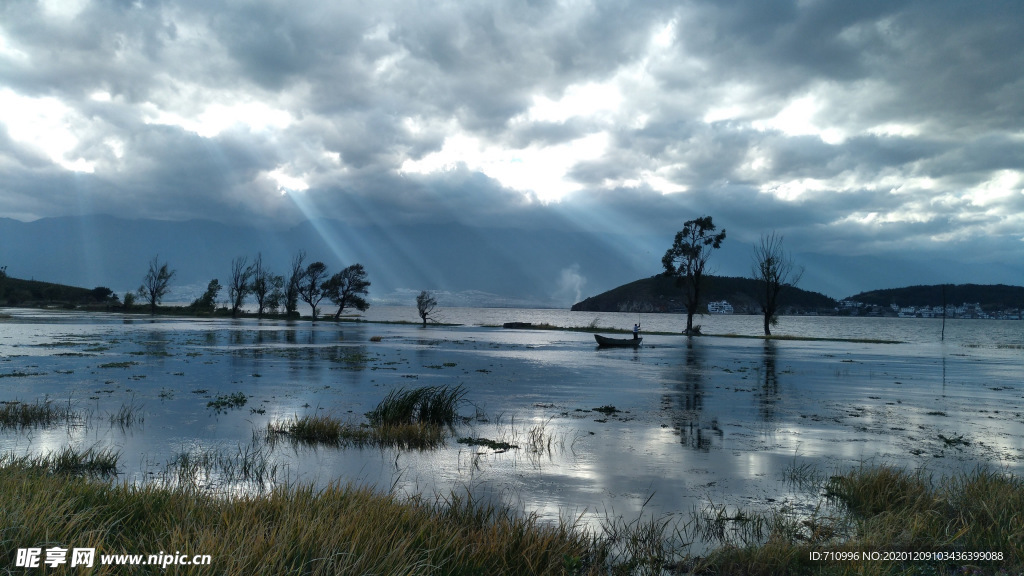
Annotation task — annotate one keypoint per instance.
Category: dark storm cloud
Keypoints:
(852, 127)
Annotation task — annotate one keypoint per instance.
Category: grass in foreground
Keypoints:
(298, 530)
(354, 530)
(878, 509)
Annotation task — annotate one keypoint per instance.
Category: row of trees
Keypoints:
(687, 260)
(307, 283)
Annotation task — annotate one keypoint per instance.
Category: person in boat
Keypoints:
(636, 331)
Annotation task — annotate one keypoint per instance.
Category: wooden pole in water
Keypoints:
(943, 314)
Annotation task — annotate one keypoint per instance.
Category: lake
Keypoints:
(683, 422)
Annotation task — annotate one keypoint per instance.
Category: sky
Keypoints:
(876, 137)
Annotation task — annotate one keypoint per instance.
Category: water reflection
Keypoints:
(768, 392)
(686, 403)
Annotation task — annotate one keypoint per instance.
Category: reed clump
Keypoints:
(432, 405)
(330, 431)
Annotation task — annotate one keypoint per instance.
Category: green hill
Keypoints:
(18, 292)
(661, 294)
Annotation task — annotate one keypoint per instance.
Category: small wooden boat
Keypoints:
(605, 341)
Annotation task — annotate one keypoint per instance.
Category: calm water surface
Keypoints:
(709, 419)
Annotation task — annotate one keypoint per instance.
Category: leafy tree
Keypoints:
(311, 287)
(129, 300)
(291, 295)
(425, 304)
(240, 284)
(155, 284)
(347, 288)
(774, 269)
(687, 259)
(103, 294)
(208, 301)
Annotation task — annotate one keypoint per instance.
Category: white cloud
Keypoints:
(46, 124)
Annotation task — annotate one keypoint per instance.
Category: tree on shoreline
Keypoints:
(155, 285)
(774, 269)
(347, 288)
(687, 259)
(425, 304)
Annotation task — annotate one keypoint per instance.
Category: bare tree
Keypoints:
(687, 259)
(425, 304)
(347, 288)
(775, 271)
(155, 285)
(240, 284)
(291, 295)
(311, 287)
(264, 284)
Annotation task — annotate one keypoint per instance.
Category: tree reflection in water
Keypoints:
(696, 430)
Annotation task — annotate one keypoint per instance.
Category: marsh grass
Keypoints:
(128, 415)
(41, 413)
(225, 402)
(66, 461)
(330, 431)
(248, 467)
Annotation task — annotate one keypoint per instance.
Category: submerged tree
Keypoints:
(774, 269)
(266, 287)
(291, 295)
(241, 283)
(425, 304)
(687, 259)
(156, 283)
(347, 288)
(311, 286)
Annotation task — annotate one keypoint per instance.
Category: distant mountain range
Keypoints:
(661, 294)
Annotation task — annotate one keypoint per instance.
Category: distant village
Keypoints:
(965, 310)
(854, 308)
